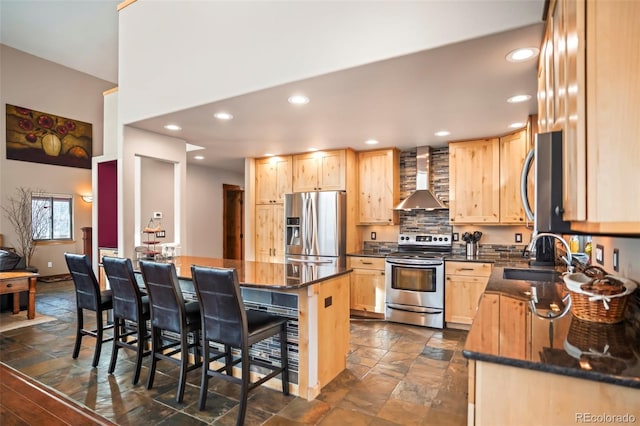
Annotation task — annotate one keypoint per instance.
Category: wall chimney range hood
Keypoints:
(422, 198)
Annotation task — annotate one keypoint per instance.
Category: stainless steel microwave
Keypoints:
(546, 158)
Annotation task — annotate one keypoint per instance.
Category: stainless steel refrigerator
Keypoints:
(315, 227)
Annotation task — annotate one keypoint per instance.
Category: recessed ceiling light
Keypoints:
(518, 98)
(516, 125)
(172, 127)
(268, 154)
(223, 116)
(312, 149)
(371, 142)
(442, 133)
(298, 100)
(523, 54)
(199, 157)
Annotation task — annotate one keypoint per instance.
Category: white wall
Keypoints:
(157, 186)
(31, 82)
(204, 215)
(174, 55)
(629, 255)
(136, 144)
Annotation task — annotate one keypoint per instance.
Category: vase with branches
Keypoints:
(31, 221)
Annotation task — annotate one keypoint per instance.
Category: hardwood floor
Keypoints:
(24, 401)
(396, 375)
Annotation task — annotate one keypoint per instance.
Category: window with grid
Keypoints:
(52, 217)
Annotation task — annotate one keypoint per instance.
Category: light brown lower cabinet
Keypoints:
(367, 284)
(505, 395)
(464, 284)
(506, 326)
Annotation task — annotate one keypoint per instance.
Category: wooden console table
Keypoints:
(17, 282)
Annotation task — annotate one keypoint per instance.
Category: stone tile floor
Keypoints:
(396, 375)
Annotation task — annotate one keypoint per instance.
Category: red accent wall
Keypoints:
(108, 204)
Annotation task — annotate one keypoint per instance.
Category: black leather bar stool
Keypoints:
(170, 313)
(225, 320)
(130, 312)
(89, 297)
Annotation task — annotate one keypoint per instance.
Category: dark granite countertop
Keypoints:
(568, 346)
(263, 275)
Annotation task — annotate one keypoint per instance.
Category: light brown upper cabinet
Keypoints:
(378, 186)
(513, 150)
(319, 171)
(592, 56)
(273, 179)
(474, 181)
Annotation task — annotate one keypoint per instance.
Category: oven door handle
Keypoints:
(417, 309)
(417, 264)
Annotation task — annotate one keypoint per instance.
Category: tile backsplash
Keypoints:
(436, 221)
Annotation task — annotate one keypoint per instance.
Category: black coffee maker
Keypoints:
(545, 252)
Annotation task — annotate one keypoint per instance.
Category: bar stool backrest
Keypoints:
(127, 297)
(165, 297)
(223, 311)
(87, 287)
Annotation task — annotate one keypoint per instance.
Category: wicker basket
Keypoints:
(594, 307)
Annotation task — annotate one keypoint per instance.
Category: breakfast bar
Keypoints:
(315, 298)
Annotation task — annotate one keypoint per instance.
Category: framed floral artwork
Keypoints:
(41, 137)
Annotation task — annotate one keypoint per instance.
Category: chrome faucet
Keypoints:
(567, 259)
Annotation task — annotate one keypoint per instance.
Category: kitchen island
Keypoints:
(316, 300)
(528, 370)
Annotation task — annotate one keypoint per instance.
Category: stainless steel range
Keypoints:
(415, 280)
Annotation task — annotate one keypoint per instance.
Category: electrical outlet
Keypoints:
(600, 254)
(157, 215)
(373, 235)
(518, 237)
(456, 236)
(616, 260)
(49, 264)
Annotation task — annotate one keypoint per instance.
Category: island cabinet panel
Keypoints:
(367, 284)
(333, 328)
(378, 186)
(474, 181)
(513, 151)
(464, 285)
(269, 240)
(319, 171)
(273, 179)
(538, 398)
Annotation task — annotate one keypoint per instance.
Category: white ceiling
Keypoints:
(401, 102)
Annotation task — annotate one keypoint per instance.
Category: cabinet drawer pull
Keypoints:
(9, 285)
(366, 263)
(466, 269)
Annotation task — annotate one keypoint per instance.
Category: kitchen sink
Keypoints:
(530, 274)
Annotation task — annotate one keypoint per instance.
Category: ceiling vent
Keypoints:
(422, 198)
